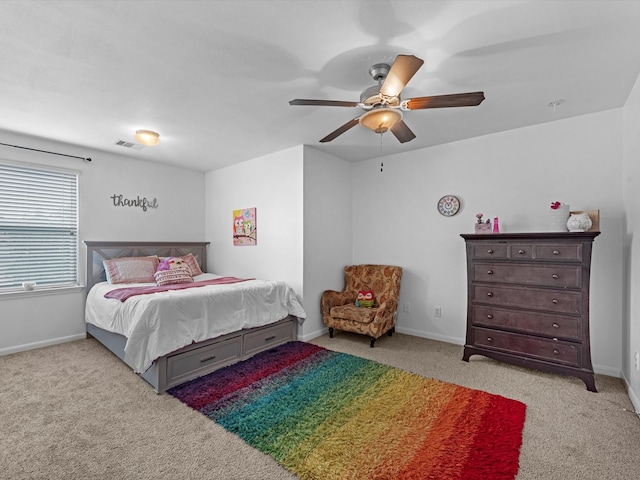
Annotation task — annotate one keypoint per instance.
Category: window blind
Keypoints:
(38, 227)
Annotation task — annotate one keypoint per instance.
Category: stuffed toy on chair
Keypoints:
(365, 298)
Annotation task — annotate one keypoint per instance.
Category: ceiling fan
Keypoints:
(383, 105)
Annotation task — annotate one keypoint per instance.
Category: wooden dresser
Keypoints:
(528, 300)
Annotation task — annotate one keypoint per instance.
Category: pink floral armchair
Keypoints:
(340, 311)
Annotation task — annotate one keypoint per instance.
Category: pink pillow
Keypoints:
(131, 269)
(191, 261)
(175, 275)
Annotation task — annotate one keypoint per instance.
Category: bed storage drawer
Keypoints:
(268, 337)
(200, 361)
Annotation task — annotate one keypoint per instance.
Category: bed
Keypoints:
(170, 337)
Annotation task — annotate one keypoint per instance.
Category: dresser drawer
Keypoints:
(520, 251)
(268, 337)
(568, 328)
(558, 301)
(559, 253)
(560, 276)
(489, 250)
(203, 360)
(552, 350)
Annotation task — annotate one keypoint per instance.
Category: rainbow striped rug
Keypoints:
(326, 415)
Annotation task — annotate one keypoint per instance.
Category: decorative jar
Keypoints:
(579, 222)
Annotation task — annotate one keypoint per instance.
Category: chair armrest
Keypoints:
(386, 310)
(332, 298)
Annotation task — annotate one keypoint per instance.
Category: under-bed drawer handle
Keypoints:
(269, 338)
(555, 301)
(489, 316)
(556, 252)
(555, 276)
(490, 294)
(490, 252)
(489, 272)
(206, 359)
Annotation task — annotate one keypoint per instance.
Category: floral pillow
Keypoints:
(131, 269)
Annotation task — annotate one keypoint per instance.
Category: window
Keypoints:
(38, 227)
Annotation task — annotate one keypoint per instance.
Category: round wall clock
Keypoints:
(448, 205)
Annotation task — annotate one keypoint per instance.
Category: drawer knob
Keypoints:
(521, 252)
(489, 272)
(555, 301)
(489, 339)
(555, 325)
(490, 252)
(555, 276)
(556, 252)
(556, 351)
(490, 294)
(489, 316)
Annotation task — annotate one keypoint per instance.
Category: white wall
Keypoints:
(305, 236)
(631, 187)
(273, 184)
(31, 320)
(513, 175)
(327, 231)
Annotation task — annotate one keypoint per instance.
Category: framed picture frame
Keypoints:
(245, 229)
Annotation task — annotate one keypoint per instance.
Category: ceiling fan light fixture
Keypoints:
(148, 137)
(380, 120)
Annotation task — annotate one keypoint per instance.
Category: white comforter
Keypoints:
(159, 323)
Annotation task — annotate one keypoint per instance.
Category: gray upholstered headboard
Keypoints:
(98, 251)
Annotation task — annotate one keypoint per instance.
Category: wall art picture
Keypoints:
(244, 227)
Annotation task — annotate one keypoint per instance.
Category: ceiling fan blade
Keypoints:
(339, 131)
(402, 132)
(443, 101)
(403, 69)
(323, 103)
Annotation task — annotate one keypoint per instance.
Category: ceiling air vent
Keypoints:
(135, 146)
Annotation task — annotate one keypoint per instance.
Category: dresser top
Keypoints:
(531, 236)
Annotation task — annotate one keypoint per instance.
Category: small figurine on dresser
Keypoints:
(481, 226)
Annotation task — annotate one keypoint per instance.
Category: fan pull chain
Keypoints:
(381, 153)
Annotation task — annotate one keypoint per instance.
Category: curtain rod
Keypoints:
(86, 159)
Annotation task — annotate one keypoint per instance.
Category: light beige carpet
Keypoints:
(74, 411)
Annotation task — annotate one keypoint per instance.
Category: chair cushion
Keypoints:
(351, 312)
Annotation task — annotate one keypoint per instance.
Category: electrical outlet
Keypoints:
(407, 307)
(637, 359)
(437, 311)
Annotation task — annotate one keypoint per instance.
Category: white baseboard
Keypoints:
(635, 401)
(44, 343)
(608, 371)
(312, 335)
(440, 338)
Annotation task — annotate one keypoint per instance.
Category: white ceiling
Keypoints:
(215, 77)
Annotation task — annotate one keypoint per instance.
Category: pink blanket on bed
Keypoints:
(123, 293)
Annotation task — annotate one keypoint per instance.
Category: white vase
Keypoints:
(579, 222)
(558, 218)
